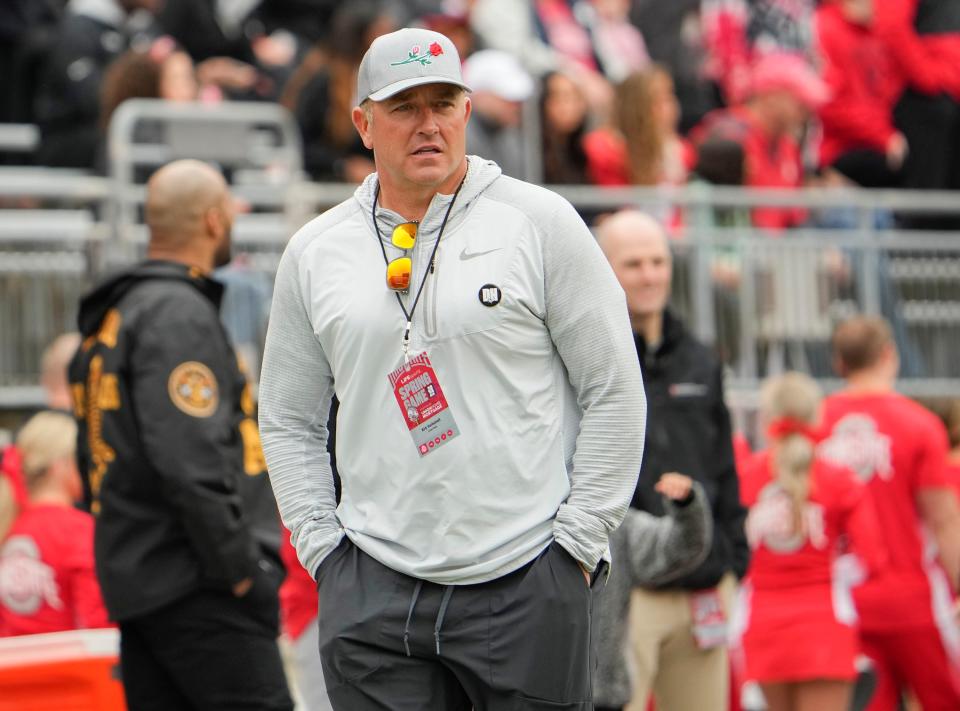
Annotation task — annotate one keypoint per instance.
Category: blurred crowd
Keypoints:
(772, 93)
(761, 93)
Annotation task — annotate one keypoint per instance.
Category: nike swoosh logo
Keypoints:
(464, 255)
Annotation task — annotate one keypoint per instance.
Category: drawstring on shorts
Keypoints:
(441, 614)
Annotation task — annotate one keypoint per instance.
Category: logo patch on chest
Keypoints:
(490, 295)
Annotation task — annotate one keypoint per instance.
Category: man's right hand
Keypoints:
(242, 588)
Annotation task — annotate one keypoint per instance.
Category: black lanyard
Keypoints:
(405, 345)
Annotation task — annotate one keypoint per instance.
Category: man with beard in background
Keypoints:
(186, 536)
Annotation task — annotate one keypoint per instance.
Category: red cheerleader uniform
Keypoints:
(797, 617)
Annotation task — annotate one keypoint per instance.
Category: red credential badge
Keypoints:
(422, 404)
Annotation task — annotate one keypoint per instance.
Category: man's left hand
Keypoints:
(586, 573)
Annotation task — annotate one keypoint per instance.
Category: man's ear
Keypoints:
(213, 221)
(362, 123)
(467, 107)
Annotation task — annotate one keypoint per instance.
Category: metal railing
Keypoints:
(767, 300)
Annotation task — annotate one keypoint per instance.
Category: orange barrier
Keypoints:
(62, 671)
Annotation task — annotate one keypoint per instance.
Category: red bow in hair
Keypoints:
(788, 426)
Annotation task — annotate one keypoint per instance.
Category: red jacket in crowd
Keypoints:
(929, 60)
(47, 578)
(771, 162)
(864, 86)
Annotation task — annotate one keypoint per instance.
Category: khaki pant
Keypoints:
(665, 656)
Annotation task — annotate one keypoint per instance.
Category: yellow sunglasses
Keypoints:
(399, 270)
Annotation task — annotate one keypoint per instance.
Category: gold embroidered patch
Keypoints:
(253, 460)
(193, 389)
(78, 396)
(109, 328)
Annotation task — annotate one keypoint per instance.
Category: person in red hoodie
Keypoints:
(859, 138)
(899, 449)
(47, 579)
(800, 640)
(924, 38)
(784, 90)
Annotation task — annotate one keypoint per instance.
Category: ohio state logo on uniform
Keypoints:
(26, 582)
(856, 443)
(490, 295)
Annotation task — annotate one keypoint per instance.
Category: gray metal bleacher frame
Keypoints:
(785, 299)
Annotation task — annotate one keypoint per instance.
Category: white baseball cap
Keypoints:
(404, 59)
(499, 73)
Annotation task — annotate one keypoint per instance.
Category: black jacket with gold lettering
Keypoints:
(168, 445)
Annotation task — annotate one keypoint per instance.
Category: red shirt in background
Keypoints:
(47, 578)
(771, 162)
(864, 82)
(898, 448)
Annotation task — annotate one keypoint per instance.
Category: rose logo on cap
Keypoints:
(414, 55)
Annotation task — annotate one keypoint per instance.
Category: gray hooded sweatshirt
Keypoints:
(544, 386)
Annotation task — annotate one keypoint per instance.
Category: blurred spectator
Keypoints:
(499, 86)
(721, 163)
(563, 111)
(57, 395)
(53, 371)
(545, 35)
(678, 631)
(898, 448)
(673, 35)
(47, 579)
(618, 45)
(800, 639)
(25, 27)
(651, 550)
(306, 19)
(230, 45)
(321, 93)
(924, 38)
(784, 90)
(207, 28)
(91, 34)
(739, 33)
(859, 139)
(948, 410)
(641, 145)
(163, 71)
(456, 26)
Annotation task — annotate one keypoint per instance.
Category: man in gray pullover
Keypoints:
(491, 420)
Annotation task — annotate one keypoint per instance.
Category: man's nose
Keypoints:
(428, 122)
